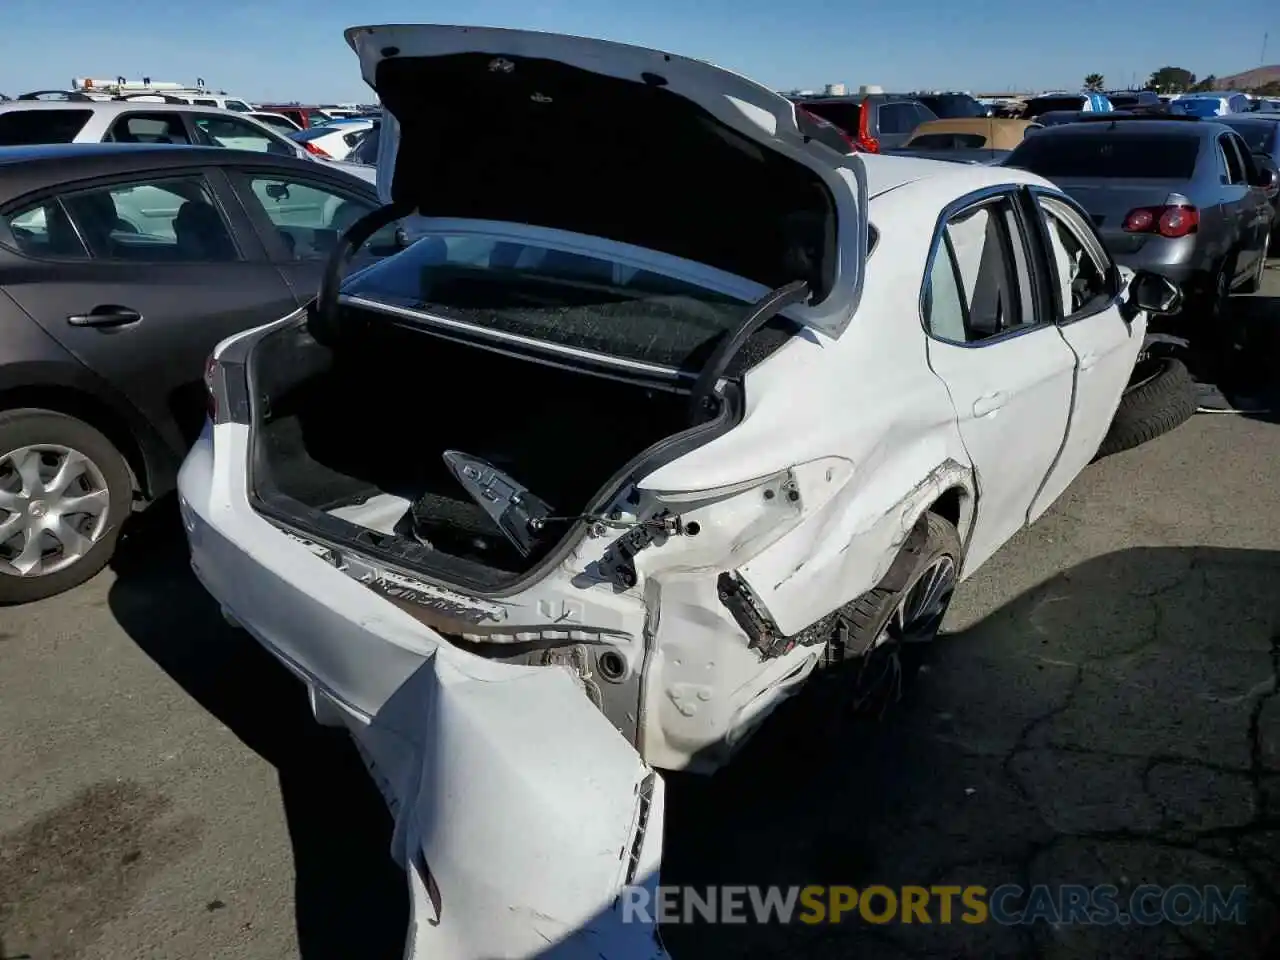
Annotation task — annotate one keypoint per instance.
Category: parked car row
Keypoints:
(474, 609)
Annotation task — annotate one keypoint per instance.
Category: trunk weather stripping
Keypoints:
(323, 320)
(706, 402)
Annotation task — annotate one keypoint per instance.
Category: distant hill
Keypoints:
(1257, 77)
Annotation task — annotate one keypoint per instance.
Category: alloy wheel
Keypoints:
(878, 674)
(53, 509)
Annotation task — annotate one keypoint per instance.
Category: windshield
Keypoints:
(239, 106)
(1147, 155)
(1040, 105)
(844, 114)
(1200, 106)
(552, 295)
(21, 128)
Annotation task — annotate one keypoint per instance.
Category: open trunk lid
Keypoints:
(619, 142)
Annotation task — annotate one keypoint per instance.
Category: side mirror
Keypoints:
(1267, 177)
(1153, 293)
(277, 191)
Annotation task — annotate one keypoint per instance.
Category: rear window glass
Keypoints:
(844, 115)
(954, 106)
(1167, 156)
(948, 141)
(20, 128)
(1045, 104)
(559, 297)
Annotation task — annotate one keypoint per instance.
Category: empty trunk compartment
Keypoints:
(349, 442)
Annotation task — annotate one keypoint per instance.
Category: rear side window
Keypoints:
(949, 141)
(843, 114)
(1235, 167)
(1167, 156)
(148, 128)
(205, 102)
(20, 128)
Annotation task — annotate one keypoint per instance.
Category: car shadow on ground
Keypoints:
(1117, 724)
(1257, 378)
(350, 897)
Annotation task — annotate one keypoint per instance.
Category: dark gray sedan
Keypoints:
(121, 267)
(1179, 197)
(1261, 132)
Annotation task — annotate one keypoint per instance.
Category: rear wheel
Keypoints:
(872, 633)
(64, 492)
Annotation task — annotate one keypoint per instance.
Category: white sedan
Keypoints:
(335, 140)
(635, 443)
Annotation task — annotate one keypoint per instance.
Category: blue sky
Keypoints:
(291, 49)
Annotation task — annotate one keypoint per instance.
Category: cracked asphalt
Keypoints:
(1102, 709)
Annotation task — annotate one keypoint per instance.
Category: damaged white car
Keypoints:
(659, 419)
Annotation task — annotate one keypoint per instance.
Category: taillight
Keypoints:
(866, 141)
(211, 396)
(1169, 220)
(313, 149)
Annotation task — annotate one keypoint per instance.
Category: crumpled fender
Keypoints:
(846, 547)
(520, 813)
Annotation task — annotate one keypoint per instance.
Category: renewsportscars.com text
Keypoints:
(1009, 904)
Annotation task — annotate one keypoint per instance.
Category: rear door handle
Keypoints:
(105, 315)
(988, 404)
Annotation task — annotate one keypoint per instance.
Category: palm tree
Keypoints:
(1094, 82)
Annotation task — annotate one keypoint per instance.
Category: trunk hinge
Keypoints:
(322, 322)
(706, 400)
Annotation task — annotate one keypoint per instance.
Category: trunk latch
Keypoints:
(518, 513)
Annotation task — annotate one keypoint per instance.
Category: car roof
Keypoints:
(1130, 125)
(28, 168)
(112, 106)
(886, 173)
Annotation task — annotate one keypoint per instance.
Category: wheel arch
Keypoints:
(145, 466)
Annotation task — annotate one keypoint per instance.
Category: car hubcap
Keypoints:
(915, 619)
(53, 509)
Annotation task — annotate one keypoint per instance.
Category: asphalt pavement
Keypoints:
(1102, 709)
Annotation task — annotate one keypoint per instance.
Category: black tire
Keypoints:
(28, 427)
(865, 618)
(862, 680)
(1161, 400)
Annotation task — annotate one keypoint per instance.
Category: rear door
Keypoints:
(153, 271)
(994, 343)
(1234, 203)
(1086, 306)
(1255, 211)
(300, 218)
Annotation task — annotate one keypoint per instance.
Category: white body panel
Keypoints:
(521, 797)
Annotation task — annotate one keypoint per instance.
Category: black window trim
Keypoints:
(1018, 197)
(137, 178)
(1114, 285)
